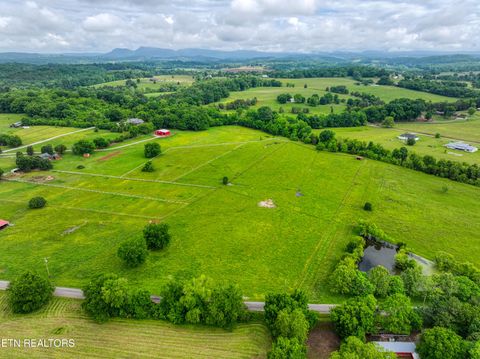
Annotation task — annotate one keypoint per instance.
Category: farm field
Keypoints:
(318, 196)
(426, 145)
(267, 96)
(145, 83)
(124, 338)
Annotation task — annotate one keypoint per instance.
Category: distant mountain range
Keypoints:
(205, 55)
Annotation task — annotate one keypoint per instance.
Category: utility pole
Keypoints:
(46, 266)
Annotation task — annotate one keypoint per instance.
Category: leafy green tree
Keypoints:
(100, 142)
(291, 324)
(156, 235)
(47, 149)
(29, 292)
(326, 136)
(60, 149)
(133, 252)
(388, 122)
(30, 150)
(398, 316)
(356, 317)
(471, 111)
(440, 343)
(474, 351)
(298, 98)
(82, 147)
(354, 348)
(37, 202)
(148, 167)
(284, 348)
(413, 280)
(152, 150)
(411, 141)
(347, 279)
(284, 98)
(396, 285)
(403, 261)
(380, 278)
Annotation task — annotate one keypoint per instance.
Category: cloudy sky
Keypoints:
(267, 25)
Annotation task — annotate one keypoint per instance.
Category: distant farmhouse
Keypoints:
(408, 136)
(135, 121)
(461, 147)
(48, 156)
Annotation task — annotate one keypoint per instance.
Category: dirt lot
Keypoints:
(322, 341)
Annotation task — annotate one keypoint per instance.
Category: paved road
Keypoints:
(252, 306)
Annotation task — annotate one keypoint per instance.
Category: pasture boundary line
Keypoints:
(97, 191)
(208, 162)
(135, 179)
(89, 210)
(48, 139)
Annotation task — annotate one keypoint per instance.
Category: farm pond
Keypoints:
(383, 254)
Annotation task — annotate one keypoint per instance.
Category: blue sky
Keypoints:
(267, 25)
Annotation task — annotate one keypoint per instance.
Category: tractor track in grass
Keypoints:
(324, 242)
(98, 191)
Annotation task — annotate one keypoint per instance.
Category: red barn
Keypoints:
(162, 133)
(3, 224)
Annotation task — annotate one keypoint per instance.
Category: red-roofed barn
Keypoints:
(162, 133)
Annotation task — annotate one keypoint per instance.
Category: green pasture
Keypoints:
(426, 145)
(146, 83)
(219, 230)
(267, 96)
(125, 338)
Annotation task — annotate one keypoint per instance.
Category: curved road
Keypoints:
(252, 306)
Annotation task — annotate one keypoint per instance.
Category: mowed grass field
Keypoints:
(125, 338)
(426, 145)
(160, 80)
(221, 231)
(267, 96)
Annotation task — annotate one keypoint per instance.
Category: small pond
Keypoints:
(378, 254)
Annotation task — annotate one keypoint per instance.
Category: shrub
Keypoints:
(367, 206)
(47, 149)
(152, 150)
(437, 135)
(83, 146)
(30, 150)
(60, 149)
(148, 167)
(100, 142)
(37, 202)
(80, 167)
(156, 235)
(29, 292)
(225, 180)
(108, 296)
(411, 141)
(133, 252)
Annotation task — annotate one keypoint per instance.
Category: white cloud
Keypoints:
(279, 25)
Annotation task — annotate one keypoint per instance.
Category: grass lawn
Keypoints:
(267, 96)
(427, 145)
(125, 338)
(220, 230)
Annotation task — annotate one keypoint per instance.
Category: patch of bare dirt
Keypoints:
(322, 341)
(41, 179)
(267, 203)
(110, 155)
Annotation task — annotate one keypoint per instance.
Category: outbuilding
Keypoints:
(408, 136)
(401, 349)
(162, 133)
(461, 147)
(4, 224)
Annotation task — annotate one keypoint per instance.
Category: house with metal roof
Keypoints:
(461, 146)
(401, 349)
